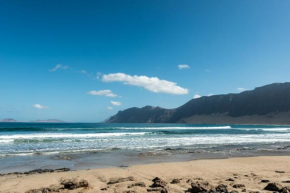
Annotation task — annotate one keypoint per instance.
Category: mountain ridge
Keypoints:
(269, 104)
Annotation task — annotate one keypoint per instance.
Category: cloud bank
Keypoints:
(109, 108)
(183, 66)
(38, 106)
(107, 93)
(59, 66)
(152, 84)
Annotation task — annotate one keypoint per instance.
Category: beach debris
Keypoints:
(175, 181)
(123, 166)
(140, 184)
(38, 171)
(222, 188)
(280, 172)
(71, 184)
(265, 181)
(230, 180)
(239, 186)
(129, 191)
(197, 187)
(273, 186)
(157, 182)
(119, 180)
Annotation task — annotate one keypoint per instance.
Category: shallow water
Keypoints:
(26, 146)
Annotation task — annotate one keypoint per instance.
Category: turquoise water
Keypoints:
(22, 139)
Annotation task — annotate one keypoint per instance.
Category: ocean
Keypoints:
(25, 146)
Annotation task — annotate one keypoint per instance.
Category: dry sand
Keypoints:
(248, 171)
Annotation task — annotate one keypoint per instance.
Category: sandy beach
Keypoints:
(237, 174)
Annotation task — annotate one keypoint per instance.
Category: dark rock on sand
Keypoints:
(130, 191)
(140, 184)
(189, 181)
(72, 184)
(280, 172)
(285, 190)
(287, 181)
(265, 181)
(197, 187)
(157, 182)
(158, 189)
(119, 180)
(164, 190)
(239, 186)
(230, 180)
(244, 190)
(64, 185)
(234, 191)
(52, 188)
(175, 181)
(222, 188)
(273, 187)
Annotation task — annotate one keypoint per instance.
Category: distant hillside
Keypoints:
(268, 104)
(8, 120)
(48, 121)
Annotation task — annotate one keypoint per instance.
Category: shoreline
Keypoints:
(248, 171)
(120, 157)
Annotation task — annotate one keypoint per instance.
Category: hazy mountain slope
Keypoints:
(268, 104)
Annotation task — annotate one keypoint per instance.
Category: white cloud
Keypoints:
(109, 108)
(116, 103)
(241, 89)
(38, 106)
(59, 66)
(107, 93)
(196, 96)
(152, 84)
(183, 66)
(210, 94)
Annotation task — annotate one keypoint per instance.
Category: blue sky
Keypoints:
(106, 48)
